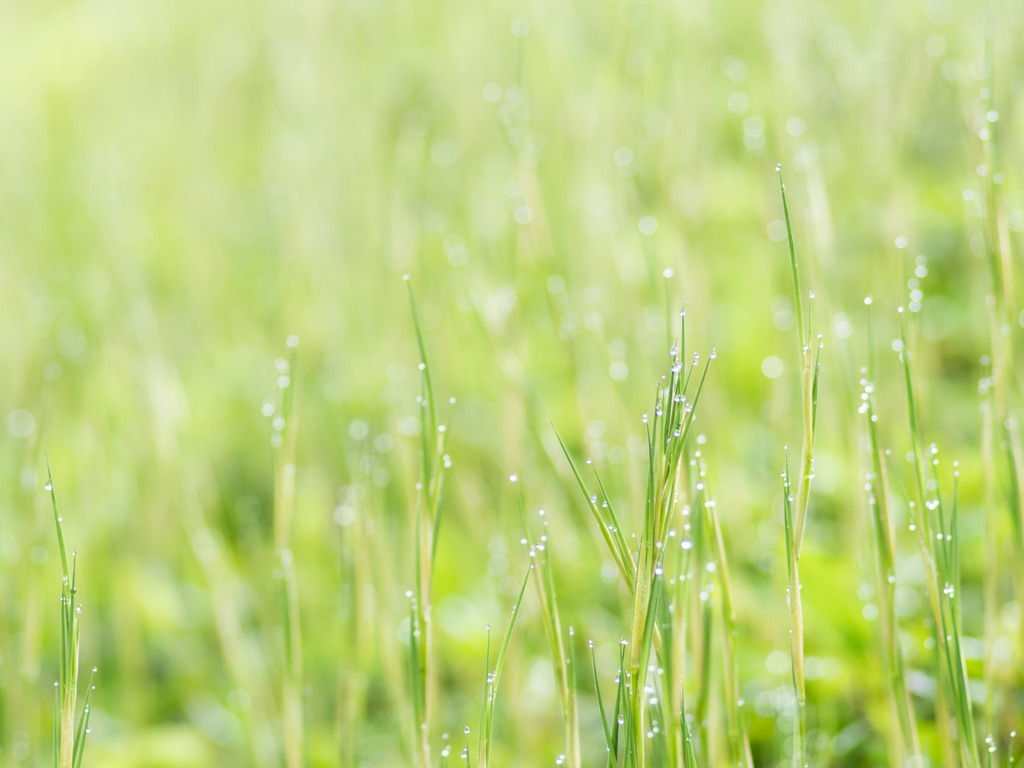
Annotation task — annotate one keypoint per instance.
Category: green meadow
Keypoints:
(622, 384)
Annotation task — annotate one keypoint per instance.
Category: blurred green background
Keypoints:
(183, 185)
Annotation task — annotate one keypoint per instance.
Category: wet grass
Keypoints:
(342, 574)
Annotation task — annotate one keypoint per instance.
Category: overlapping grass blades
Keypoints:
(433, 463)
(940, 553)
(739, 742)
(493, 678)
(562, 651)
(68, 737)
(1002, 388)
(877, 487)
(795, 507)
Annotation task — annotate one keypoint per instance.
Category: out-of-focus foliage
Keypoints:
(184, 185)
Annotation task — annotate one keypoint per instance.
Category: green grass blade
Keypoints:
(83, 723)
(622, 559)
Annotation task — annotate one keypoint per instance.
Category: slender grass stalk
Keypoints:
(689, 756)
(611, 530)
(703, 628)
(701, 614)
(284, 443)
(612, 728)
(609, 741)
(674, 624)
(885, 548)
(990, 573)
(942, 570)
(796, 623)
(493, 678)
(739, 740)
(951, 625)
(808, 384)
(921, 525)
(69, 737)
(796, 507)
(433, 463)
(922, 522)
(561, 651)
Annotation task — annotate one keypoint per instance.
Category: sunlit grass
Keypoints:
(339, 574)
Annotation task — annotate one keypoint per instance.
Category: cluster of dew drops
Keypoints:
(916, 295)
(414, 604)
(867, 390)
(678, 397)
(284, 381)
(541, 545)
(446, 459)
(990, 744)
(446, 747)
(88, 706)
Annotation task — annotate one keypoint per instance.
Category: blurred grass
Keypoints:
(184, 185)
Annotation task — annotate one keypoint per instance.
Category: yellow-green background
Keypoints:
(183, 185)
